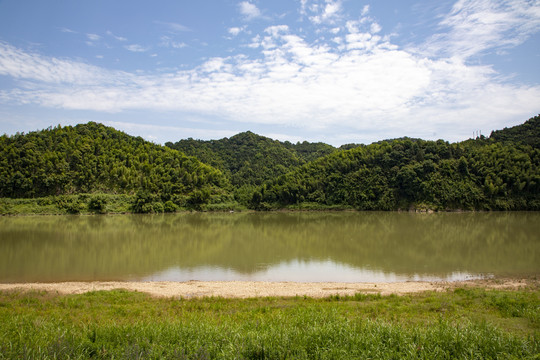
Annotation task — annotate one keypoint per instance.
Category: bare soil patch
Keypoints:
(250, 289)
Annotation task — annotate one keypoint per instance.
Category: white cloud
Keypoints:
(93, 37)
(365, 10)
(358, 82)
(331, 9)
(476, 26)
(234, 31)
(119, 38)
(167, 41)
(19, 64)
(173, 27)
(69, 31)
(135, 48)
(375, 28)
(249, 10)
(328, 11)
(303, 6)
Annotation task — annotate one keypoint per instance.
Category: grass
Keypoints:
(465, 323)
(66, 204)
(99, 203)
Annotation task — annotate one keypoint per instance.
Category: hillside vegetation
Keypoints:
(249, 160)
(401, 174)
(247, 170)
(496, 173)
(526, 134)
(92, 158)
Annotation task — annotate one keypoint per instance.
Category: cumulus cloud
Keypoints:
(330, 11)
(248, 10)
(234, 31)
(358, 82)
(321, 11)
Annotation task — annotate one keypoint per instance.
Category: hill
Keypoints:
(249, 160)
(502, 173)
(527, 133)
(91, 157)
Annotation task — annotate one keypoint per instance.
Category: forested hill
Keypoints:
(501, 172)
(484, 174)
(527, 133)
(92, 157)
(250, 159)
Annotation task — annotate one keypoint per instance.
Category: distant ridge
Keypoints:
(527, 133)
(251, 159)
(92, 157)
(247, 170)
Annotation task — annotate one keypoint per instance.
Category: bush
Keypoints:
(158, 207)
(145, 203)
(98, 204)
(169, 207)
(74, 207)
(198, 198)
(70, 204)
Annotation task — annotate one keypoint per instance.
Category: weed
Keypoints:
(465, 323)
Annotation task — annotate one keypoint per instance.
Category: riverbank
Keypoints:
(484, 319)
(113, 204)
(252, 289)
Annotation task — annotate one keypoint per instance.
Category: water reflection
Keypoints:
(300, 271)
(321, 246)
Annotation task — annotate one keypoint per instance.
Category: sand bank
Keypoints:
(248, 289)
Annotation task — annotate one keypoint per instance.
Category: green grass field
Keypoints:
(465, 323)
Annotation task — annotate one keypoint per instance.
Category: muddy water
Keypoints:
(317, 246)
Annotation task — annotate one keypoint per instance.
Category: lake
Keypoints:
(276, 246)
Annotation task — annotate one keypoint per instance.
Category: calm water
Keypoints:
(319, 246)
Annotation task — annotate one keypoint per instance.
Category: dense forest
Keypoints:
(500, 172)
(93, 158)
(249, 160)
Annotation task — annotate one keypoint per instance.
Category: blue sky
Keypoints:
(337, 71)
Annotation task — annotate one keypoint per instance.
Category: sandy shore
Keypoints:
(247, 289)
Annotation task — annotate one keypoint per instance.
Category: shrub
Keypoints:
(98, 204)
(145, 203)
(169, 207)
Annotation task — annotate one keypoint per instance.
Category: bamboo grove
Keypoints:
(499, 172)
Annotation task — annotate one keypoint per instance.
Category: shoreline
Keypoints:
(277, 210)
(257, 289)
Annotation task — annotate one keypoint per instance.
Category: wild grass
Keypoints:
(99, 203)
(460, 324)
(67, 204)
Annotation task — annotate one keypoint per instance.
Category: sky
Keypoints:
(335, 71)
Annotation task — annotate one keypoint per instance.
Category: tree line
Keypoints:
(499, 172)
(90, 158)
(404, 174)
